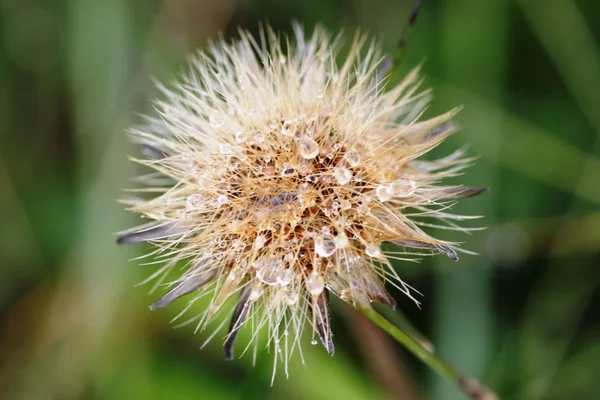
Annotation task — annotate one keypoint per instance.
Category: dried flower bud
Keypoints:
(288, 173)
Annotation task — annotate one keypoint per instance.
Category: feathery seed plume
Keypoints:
(279, 174)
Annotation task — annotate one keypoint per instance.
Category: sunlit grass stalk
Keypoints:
(468, 385)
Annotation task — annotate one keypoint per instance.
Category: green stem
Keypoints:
(468, 385)
(395, 59)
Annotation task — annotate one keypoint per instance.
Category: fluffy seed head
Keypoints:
(279, 174)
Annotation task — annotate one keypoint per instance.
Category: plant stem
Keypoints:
(392, 63)
(468, 385)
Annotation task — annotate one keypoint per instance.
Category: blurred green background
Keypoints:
(523, 316)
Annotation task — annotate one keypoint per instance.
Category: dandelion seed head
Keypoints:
(287, 170)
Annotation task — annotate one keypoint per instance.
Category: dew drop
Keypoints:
(341, 240)
(315, 284)
(285, 277)
(308, 147)
(324, 245)
(346, 205)
(288, 128)
(292, 298)
(288, 172)
(403, 187)
(345, 295)
(311, 178)
(313, 342)
(193, 200)
(259, 242)
(384, 192)
(259, 137)
(225, 149)
(352, 158)
(342, 175)
(222, 199)
(305, 167)
(240, 137)
(216, 119)
(268, 269)
(233, 165)
(372, 250)
(320, 93)
(255, 293)
(236, 274)
(282, 59)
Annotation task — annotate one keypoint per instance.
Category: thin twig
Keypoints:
(389, 66)
(468, 385)
(378, 352)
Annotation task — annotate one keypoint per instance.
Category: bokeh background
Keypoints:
(523, 316)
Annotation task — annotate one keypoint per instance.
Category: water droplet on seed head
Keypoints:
(403, 187)
(315, 284)
(342, 175)
(193, 200)
(307, 147)
(324, 245)
(352, 158)
(216, 119)
(384, 192)
(372, 250)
